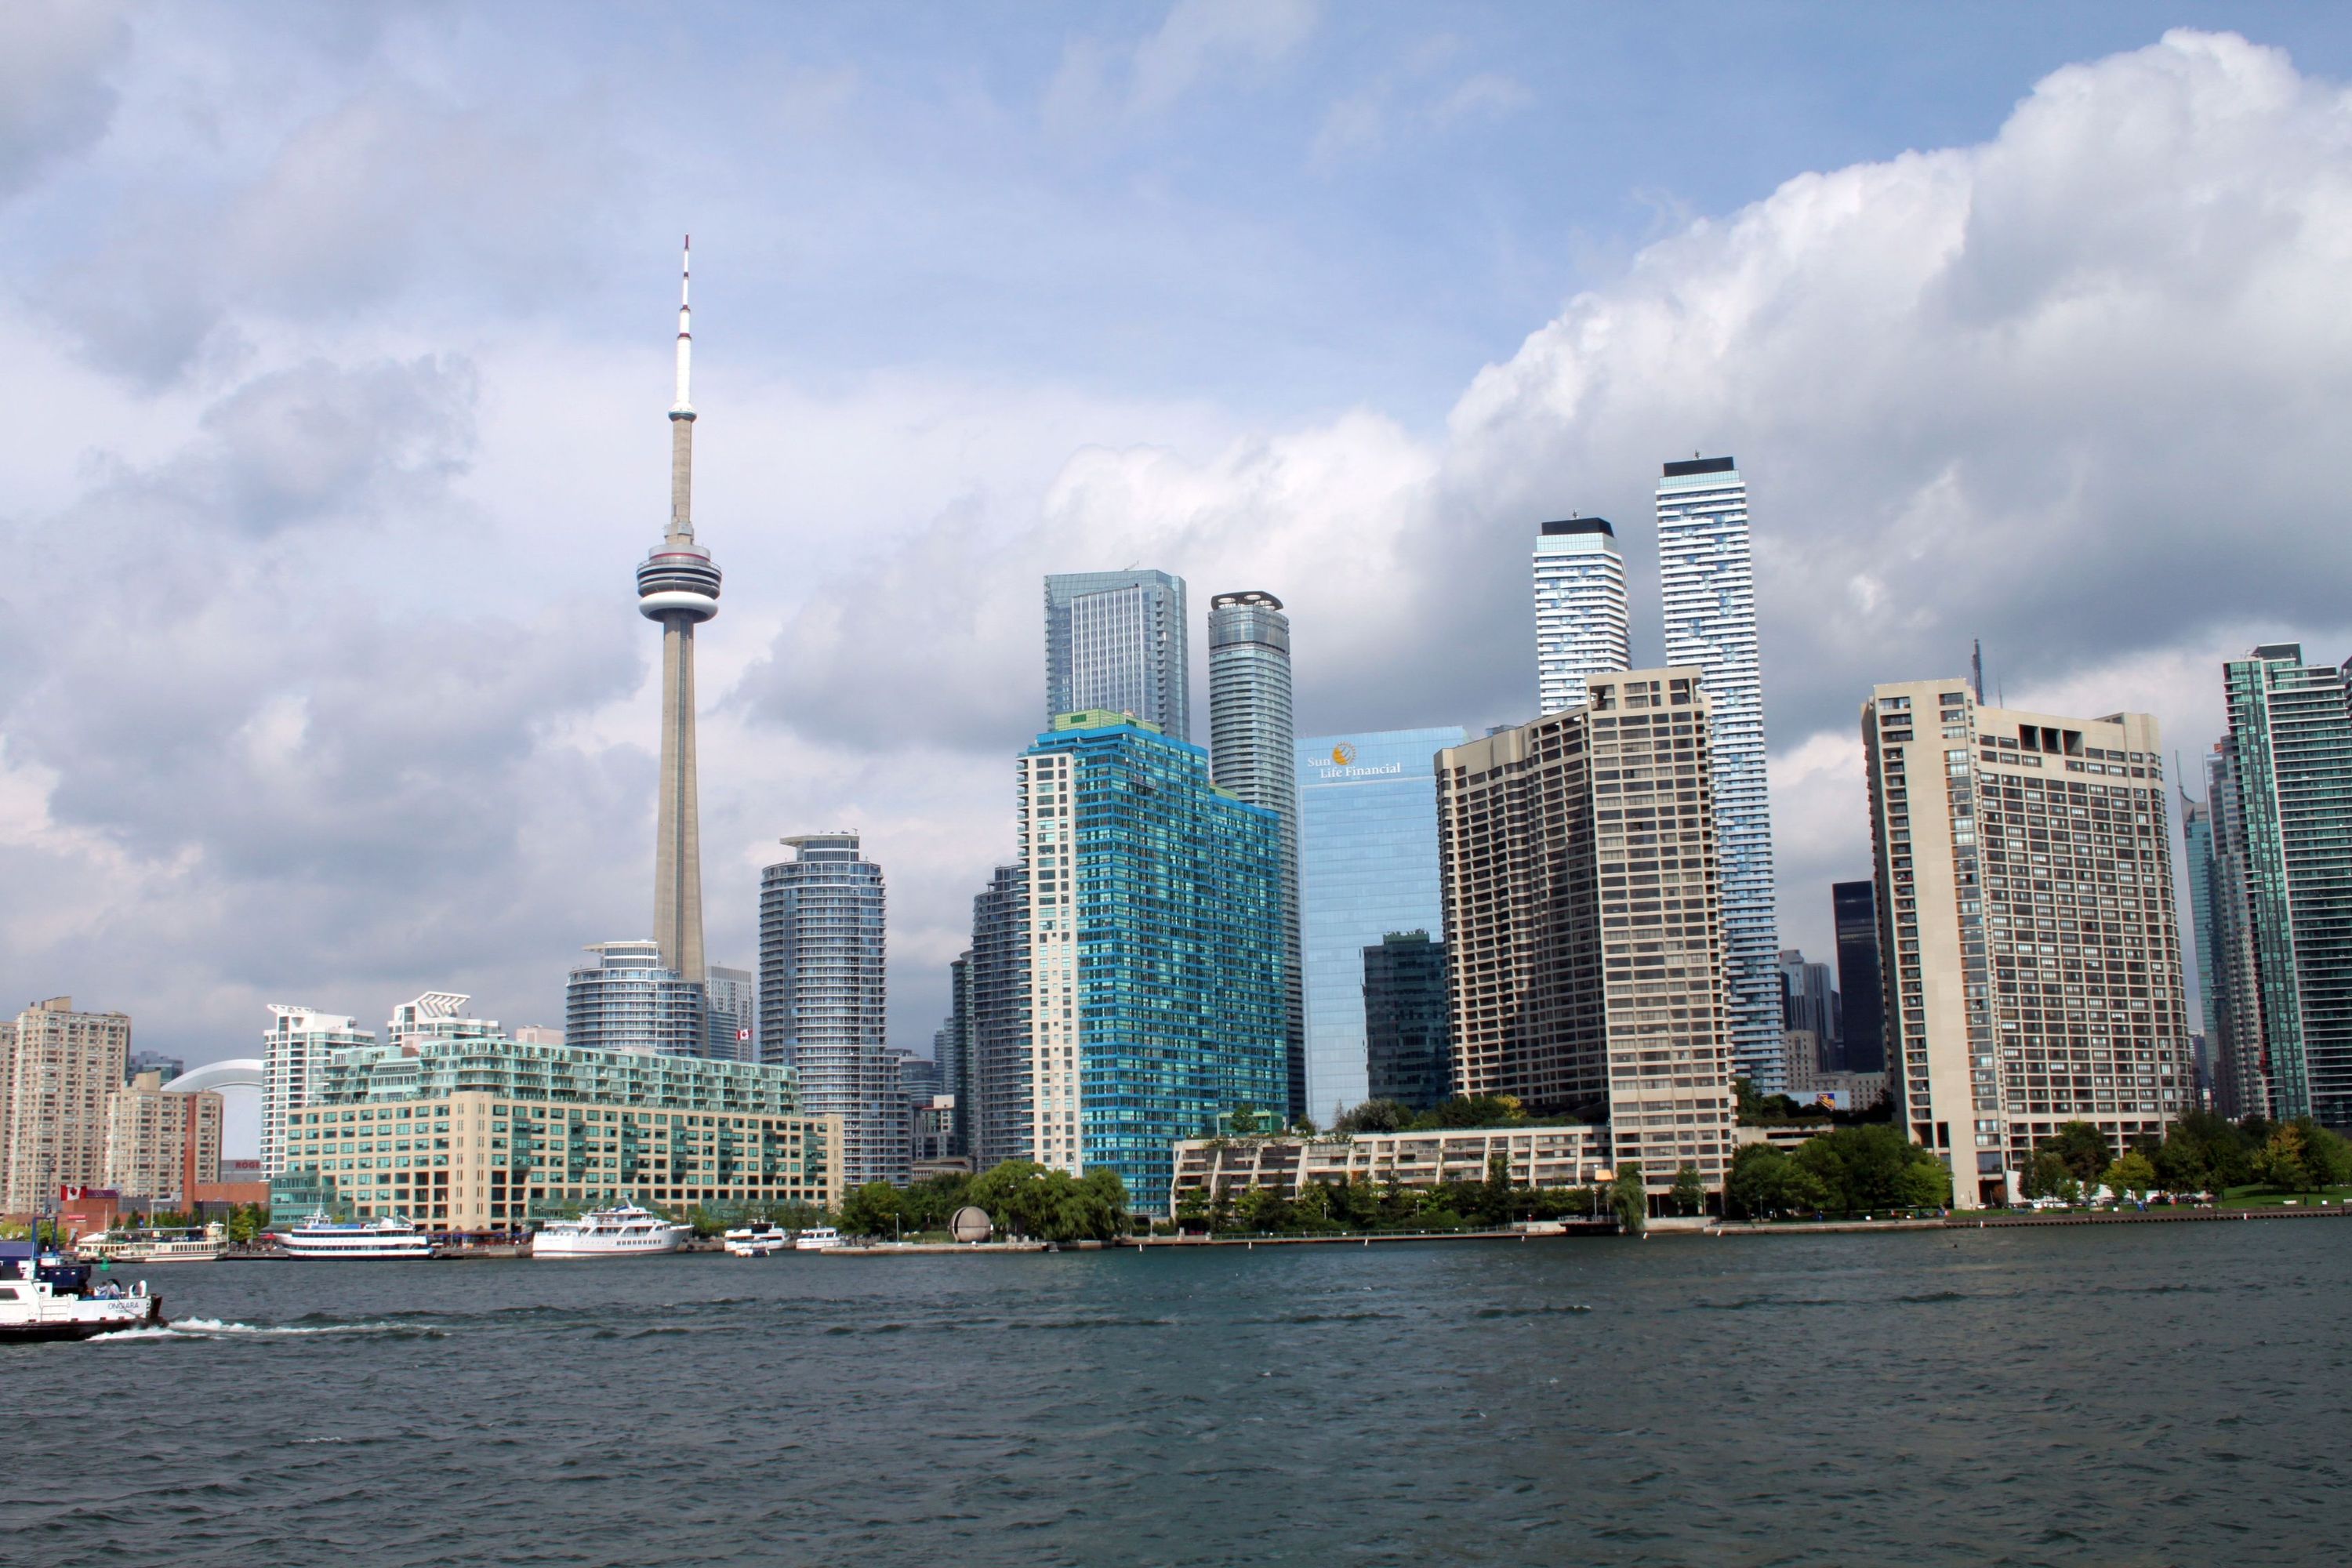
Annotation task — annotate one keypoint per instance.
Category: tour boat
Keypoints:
(187, 1244)
(820, 1238)
(350, 1240)
(609, 1233)
(37, 1308)
(760, 1240)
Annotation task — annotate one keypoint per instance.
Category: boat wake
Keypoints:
(214, 1328)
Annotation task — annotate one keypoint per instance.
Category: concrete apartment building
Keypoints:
(2032, 954)
(1584, 920)
(161, 1147)
(58, 1069)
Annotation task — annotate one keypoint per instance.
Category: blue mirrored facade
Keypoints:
(1367, 867)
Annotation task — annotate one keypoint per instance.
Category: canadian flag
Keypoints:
(742, 1035)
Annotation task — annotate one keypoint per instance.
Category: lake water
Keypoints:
(2126, 1394)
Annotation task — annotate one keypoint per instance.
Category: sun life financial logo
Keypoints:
(1343, 766)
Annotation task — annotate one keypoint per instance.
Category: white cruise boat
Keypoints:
(351, 1240)
(820, 1238)
(188, 1244)
(760, 1240)
(609, 1233)
(37, 1310)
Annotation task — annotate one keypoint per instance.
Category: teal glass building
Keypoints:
(2274, 934)
(1156, 970)
(1367, 868)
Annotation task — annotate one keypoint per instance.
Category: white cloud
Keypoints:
(1197, 41)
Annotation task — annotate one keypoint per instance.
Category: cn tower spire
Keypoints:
(681, 412)
(677, 586)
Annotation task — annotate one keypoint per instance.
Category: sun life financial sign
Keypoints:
(1343, 766)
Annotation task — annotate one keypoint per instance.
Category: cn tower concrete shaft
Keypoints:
(678, 585)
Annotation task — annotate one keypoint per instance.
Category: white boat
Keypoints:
(609, 1233)
(351, 1240)
(187, 1243)
(820, 1238)
(37, 1310)
(760, 1240)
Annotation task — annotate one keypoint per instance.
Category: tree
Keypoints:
(248, 1221)
(1764, 1182)
(2084, 1148)
(1630, 1196)
(2048, 1177)
(1025, 1198)
(2283, 1163)
(874, 1209)
(1245, 1120)
(1690, 1193)
(1873, 1166)
(1376, 1116)
(1305, 1126)
(2132, 1176)
(1466, 1111)
(2325, 1157)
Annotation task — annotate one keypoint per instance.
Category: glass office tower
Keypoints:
(822, 998)
(1115, 641)
(1367, 867)
(1406, 1021)
(1708, 586)
(1156, 1002)
(1251, 738)
(1862, 992)
(2280, 898)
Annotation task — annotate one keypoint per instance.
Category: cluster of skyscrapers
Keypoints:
(1577, 912)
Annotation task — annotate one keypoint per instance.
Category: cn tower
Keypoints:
(678, 585)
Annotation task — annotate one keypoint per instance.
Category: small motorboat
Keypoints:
(759, 1240)
(820, 1238)
(54, 1304)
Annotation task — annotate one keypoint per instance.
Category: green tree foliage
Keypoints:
(931, 1202)
(2084, 1148)
(874, 1209)
(1375, 1116)
(1772, 1109)
(1631, 1198)
(1247, 1120)
(1690, 1193)
(248, 1221)
(2133, 1175)
(1763, 1182)
(2048, 1177)
(1873, 1166)
(1025, 1198)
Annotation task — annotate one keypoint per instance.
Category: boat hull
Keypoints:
(90, 1329)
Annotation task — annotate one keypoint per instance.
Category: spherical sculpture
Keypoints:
(677, 580)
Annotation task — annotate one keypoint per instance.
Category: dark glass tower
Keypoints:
(1407, 1057)
(998, 1122)
(1862, 996)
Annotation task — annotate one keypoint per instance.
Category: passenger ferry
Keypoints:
(820, 1238)
(609, 1233)
(39, 1308)
(186, 1244)
(354, 1240)
(760, 1240)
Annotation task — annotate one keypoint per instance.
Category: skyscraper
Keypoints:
(61, 1070)
(2025, 912)
(158, 1145)
(1156, 963)
(951, 1049)
(1580, 621)
(1367, 867)
(731, 1009)
(678, 585)
(295, 1051)
(629, 1000)
(1115, 641)
(998, 1122)
(2277, 916)
(1585, 957)
(1407, 1054)
(1862, 1000)
(1250, 740)
(1808, 996)
(822, 997)
(1710, 590)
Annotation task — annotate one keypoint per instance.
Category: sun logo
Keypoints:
(1343, 754)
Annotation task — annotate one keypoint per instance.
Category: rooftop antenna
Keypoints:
(1976, 666)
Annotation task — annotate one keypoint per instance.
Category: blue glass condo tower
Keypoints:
(1155, 977)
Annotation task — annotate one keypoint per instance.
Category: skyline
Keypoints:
(388, 780)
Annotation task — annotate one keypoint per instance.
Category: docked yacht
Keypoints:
(759, 1240)
(45, 1307)
(186, 1244)
(354, 1240)
(609, 1233)
(818, 1238)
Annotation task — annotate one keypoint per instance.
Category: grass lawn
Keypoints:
(2265, 1198)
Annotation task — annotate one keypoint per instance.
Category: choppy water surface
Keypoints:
(2130, 1395)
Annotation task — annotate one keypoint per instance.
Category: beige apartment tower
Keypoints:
(1584, 916)
(158, 1145)
(2033, 955)
(61, 1069)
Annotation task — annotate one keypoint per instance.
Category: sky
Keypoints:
(335, 348)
